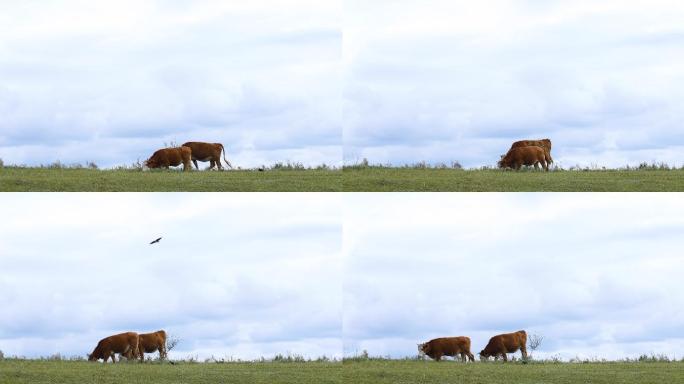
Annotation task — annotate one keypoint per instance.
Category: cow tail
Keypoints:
(224, 156)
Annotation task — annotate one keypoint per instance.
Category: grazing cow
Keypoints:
(517, 157)
(207, 152)
(152, 342)
(505, 343)
(447, 346)
(124, 343)
(166, 157)
(544, 143)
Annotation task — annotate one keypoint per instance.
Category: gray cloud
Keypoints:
(596, 277)
(243, 277)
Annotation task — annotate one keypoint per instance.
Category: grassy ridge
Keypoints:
(398, 372)
(21, 179)
(350, 179)
(434, 179)
(49, 372)
(357, 372)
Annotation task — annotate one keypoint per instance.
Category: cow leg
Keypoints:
(195, 161)
(218, 163)
(523, 350)
(505, 358)
(212, 164)
(545, 165)
(471, 357)
(536, 166)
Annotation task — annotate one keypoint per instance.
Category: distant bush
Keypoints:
(1, 163)
(288, 166)
(136, 166)
(279, 358)
(2, 355)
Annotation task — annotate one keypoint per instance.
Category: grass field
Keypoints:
(357, 372)
(434, 179)
(350, 179)
(51, 372)
(397, 372)
(21, 179)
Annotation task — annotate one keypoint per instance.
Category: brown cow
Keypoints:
(447, 346)
(517, 157)
(505, 343)
(124, 343)
(207, 152)
(152, 342)
(544, 143)
(166, 157)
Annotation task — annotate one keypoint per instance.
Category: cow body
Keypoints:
(152, 342)
(166, 157)
(517, 157)
(447, 346)
(125, 344)
(500, 345)
(207, 152)
(544, 143)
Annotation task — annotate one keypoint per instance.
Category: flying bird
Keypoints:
(156, 241)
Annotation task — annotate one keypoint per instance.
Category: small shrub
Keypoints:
(91, 165)
(2, 355)
(2, 164)
(171, 342)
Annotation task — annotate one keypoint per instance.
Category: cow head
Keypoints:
(151, 163)
(421, 349)
(484, 355)
(501, 163)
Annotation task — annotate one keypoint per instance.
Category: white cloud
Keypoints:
(244, 276)
(460, 80)
(260, 77)
(596, 276)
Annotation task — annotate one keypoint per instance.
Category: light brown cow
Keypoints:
(544, 143)
(207, 152)
(505, 343)
(447, 346)
(517, 157)
(152, 342)
(166, 157)
(124, 343)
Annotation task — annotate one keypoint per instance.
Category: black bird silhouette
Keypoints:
(156, 241)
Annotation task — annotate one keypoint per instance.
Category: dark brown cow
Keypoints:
(447, 346)
(124, 343)
(207, 152)
(152, 342)
(505, 343)
(517, 157)
(544, 143)
(166, 157)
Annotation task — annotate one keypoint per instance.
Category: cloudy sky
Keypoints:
(445, 80)
(113, 80)
(239, 276)
(332, 81)
(597, 276)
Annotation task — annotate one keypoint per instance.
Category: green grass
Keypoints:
(357, 372)
(398, 371)
(433, 179)
(52, 372)
(22, 179)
